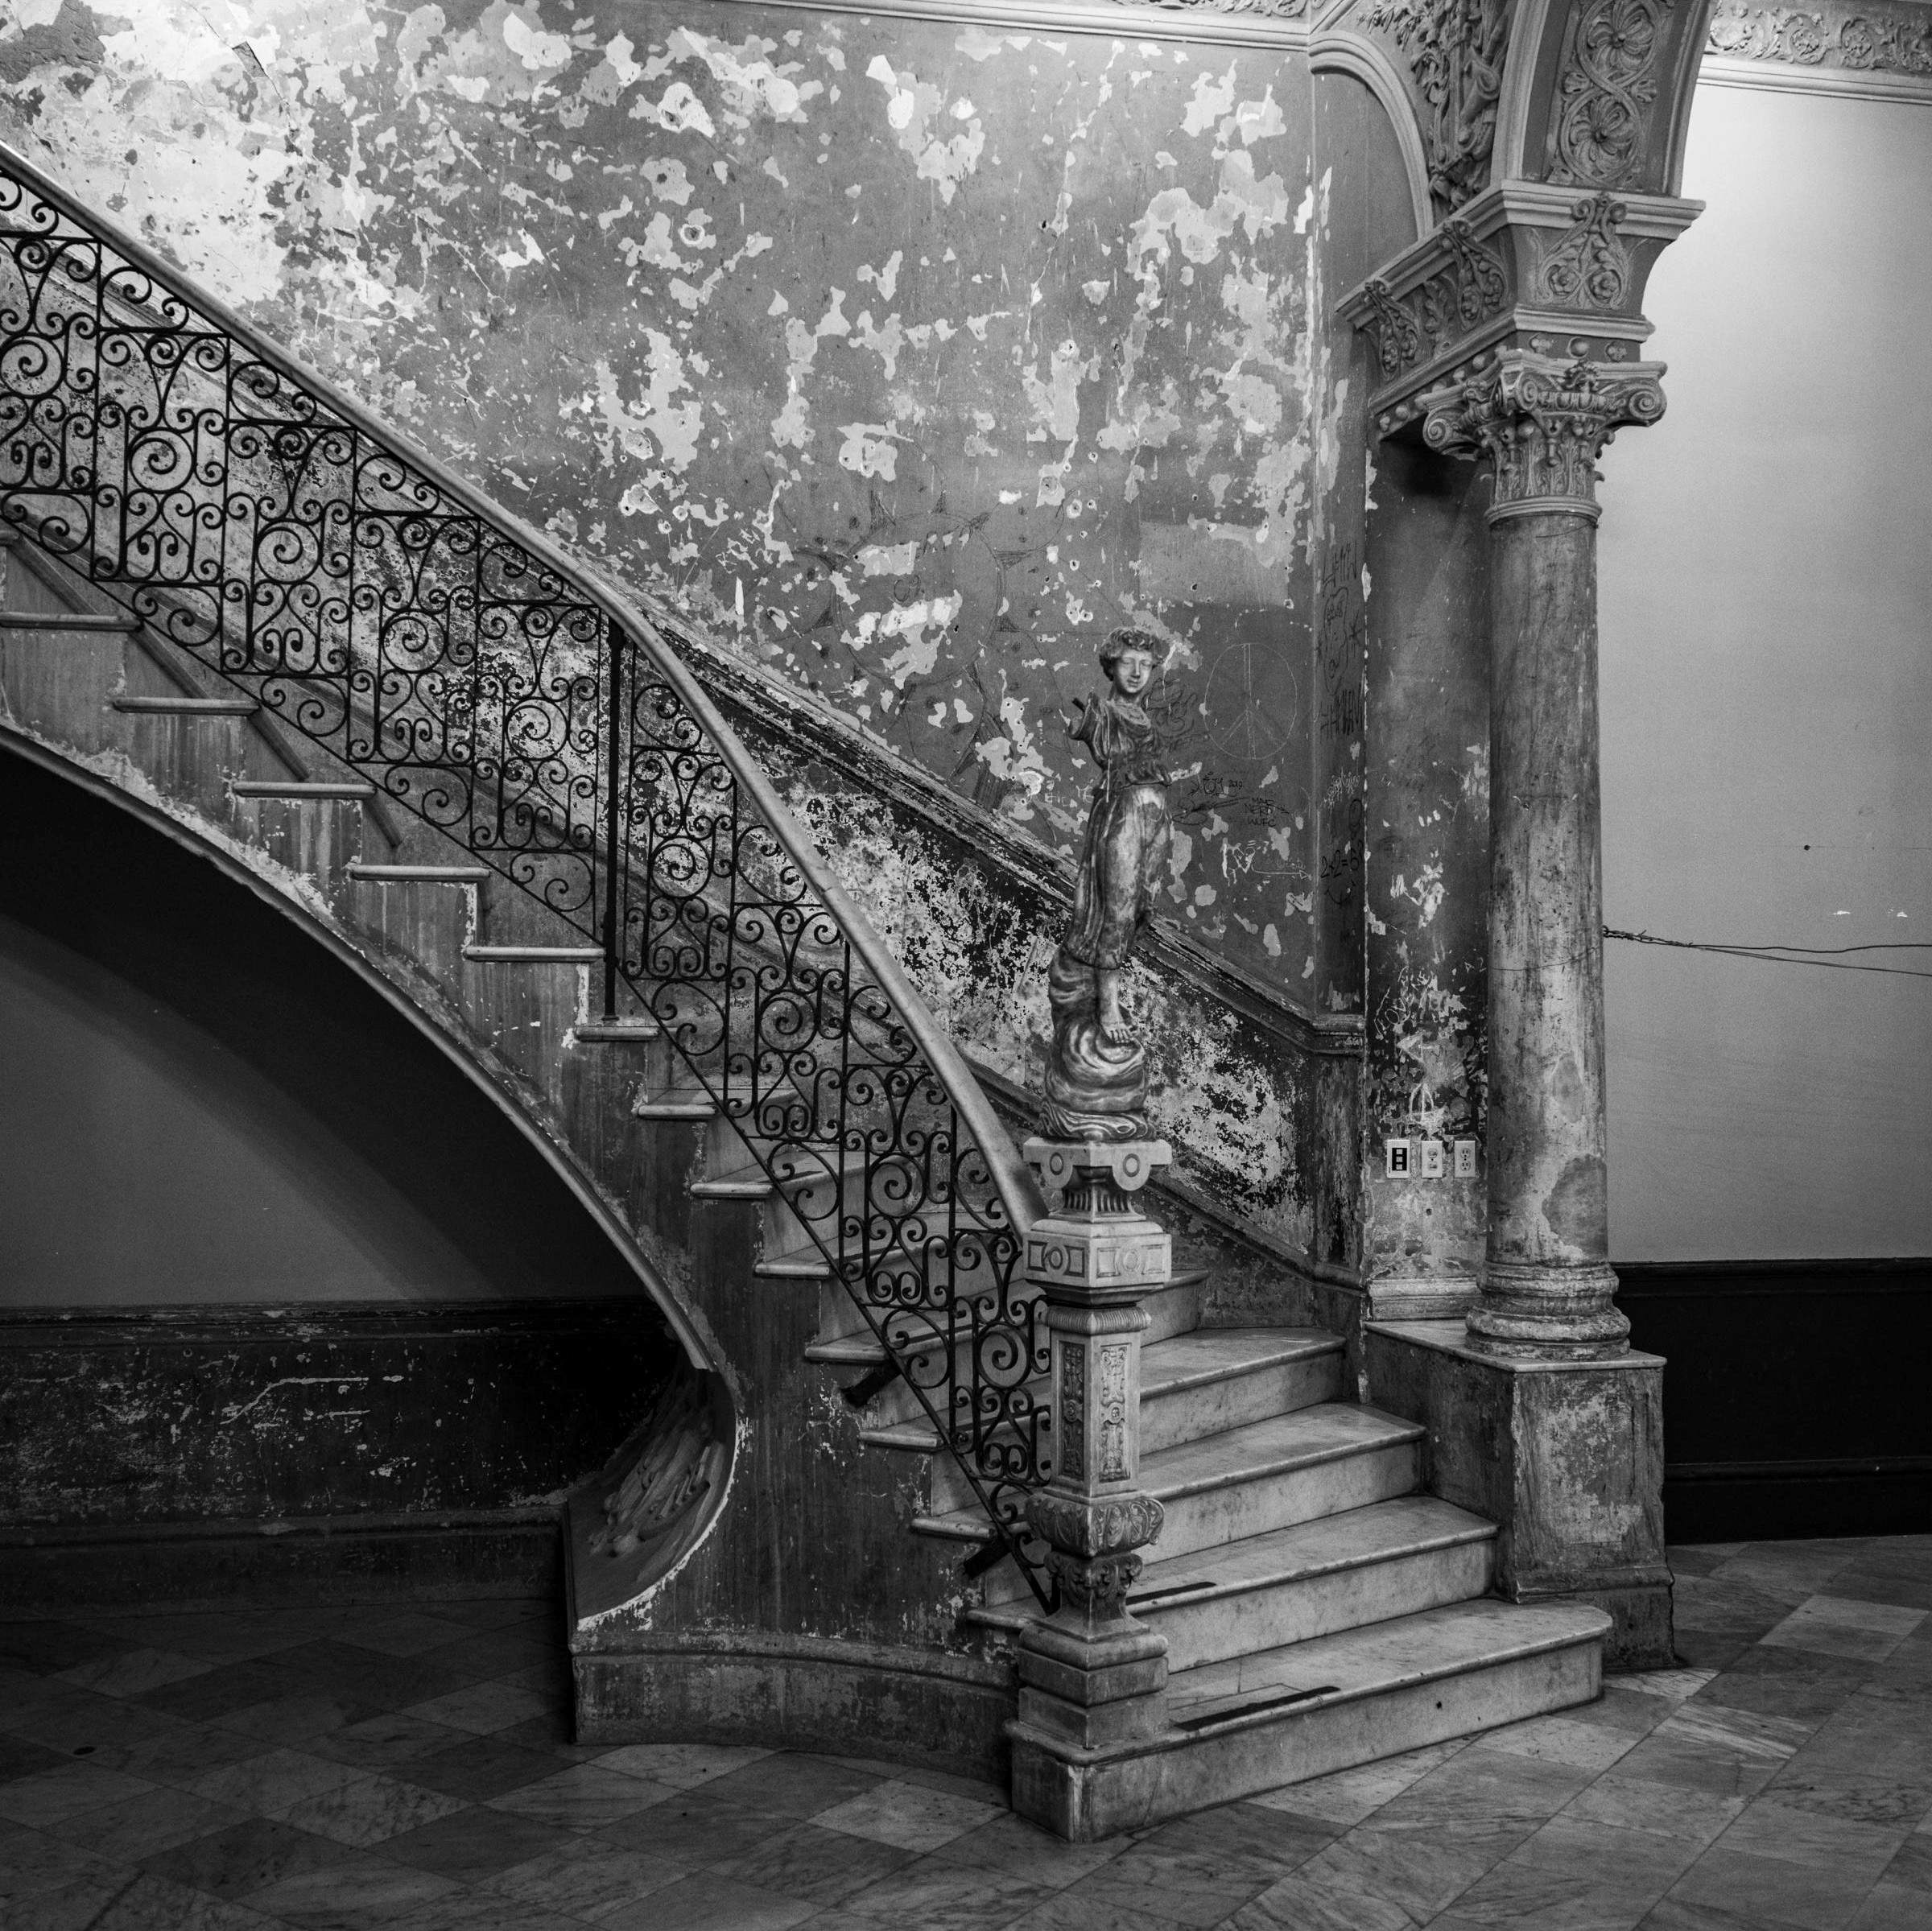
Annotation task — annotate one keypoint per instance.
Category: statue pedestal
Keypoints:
(1090, 1675)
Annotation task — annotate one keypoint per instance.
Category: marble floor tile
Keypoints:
(1768, 1892)
(1609, 1853)
(19, 1756)
(369, 1809)
(1011, 1843)
(295, 1719)
(383, 1742)
(1346, 1796)
(48, 1796)
(464, 1909)
(1562, 1739)
(937, 1896)
(692, 1829)
(1911, 1866)
(1485, 1783)
(482, 1708)
(1748, 1733)
(477, 1768)
(1541, 1897)
(932, 1779)
(711, 1904)
(683, 1766)
(587, 1878)
(1073, 1911)
(80, 1723)
(1889, 1908)
(409, 1634)
(793, 1783)
(1191, 1890)
(1838, 1626)
(1882, 1586)
(822, 1867)
(247, 1856)
(350, 1897)
(1675, 1685)
(1239, 1841)
(178, 1753)
(272, 1780)
(1423, 1869)
(70, 1906)
(211, 1695)
(133, 1672)
(473, 1844)
(1800, 1684)
(151, 1903)
(1625, 1802)
(1310, 1900)
(157, 1820)
(583, 1797)
(1858, 1851)
(387, 1682)
(907, 1816)
(30, 1862)
(42, 1648)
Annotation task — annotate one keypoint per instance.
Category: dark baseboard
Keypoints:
(475, 1554)
(345, 1452)
(1793, 1397)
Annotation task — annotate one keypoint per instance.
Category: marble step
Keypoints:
(1338, 1572)
(1202, 1384)
(1259, 1721)
(1290, 1468)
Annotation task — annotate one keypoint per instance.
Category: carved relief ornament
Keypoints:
(1863, 40)
(1455, 50)
(1601, 117)
(1587, 267)
(1543, 424)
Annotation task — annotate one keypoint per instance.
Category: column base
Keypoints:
(1091, 1691)
(1532, 1312)
(1564, 1455)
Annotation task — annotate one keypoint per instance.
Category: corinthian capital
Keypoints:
(1543, 423)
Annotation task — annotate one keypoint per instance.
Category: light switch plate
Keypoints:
(1398, 1153)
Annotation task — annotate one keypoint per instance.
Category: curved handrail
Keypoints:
(622, 711)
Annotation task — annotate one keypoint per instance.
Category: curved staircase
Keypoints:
(816, 1536)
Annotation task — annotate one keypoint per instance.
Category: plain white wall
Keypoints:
(1766, 583)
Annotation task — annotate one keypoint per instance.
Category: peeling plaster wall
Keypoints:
(911, 357)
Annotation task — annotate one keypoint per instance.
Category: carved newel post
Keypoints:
(1091, 1676)
(1547, 1286)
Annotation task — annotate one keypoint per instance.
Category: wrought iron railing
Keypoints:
(162, 448)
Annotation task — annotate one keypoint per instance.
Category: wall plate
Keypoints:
(1433, 1162)
(1398, 1152)
(1465, 1160)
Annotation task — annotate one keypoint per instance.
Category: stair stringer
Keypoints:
(853, 1636)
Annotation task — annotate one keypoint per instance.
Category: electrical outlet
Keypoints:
(1465, 1159)
(1432, 1161)
(1398, 1152)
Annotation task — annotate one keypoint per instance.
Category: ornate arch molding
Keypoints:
(1331, 51)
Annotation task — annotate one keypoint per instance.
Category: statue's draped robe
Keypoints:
(1096, 1090)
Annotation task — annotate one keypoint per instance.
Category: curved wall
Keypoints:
(200, 1105)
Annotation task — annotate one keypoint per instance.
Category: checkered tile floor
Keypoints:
(330, 1769)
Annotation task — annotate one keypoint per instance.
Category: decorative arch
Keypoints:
(1331, 52)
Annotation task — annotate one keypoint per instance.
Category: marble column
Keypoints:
(1548, 1290)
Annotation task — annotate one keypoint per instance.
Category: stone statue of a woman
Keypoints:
(1096, 1073)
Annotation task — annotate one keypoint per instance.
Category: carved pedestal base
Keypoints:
(1090, 1676)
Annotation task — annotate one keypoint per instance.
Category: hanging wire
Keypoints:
(1827, 958)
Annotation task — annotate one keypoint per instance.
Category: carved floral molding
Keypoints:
(1609, 86)
(1863, 39)
(1455, 50)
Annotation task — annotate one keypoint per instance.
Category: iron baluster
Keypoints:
(613, 816)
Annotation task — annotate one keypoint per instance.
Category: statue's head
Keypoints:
(1130, 657)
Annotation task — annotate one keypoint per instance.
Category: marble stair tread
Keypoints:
(1409, 1525)
(1304, 1438)
(1379, 1658)
(1218, 1354)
